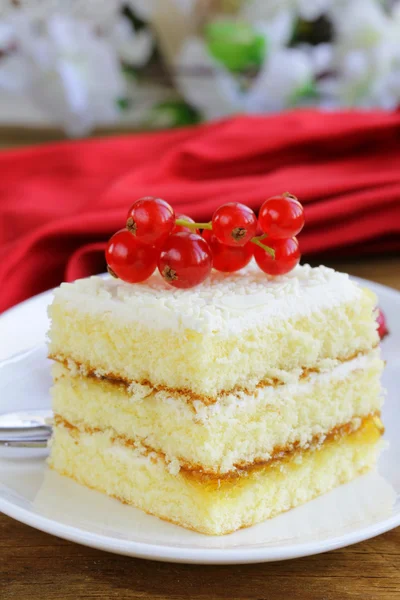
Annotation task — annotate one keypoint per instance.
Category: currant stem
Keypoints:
(257, 242)
(183, 223)
(289, 195)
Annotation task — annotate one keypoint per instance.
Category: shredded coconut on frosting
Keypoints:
(227, 303)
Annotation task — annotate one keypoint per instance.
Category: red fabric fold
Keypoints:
(60, 202)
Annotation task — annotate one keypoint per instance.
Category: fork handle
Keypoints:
(24, 443)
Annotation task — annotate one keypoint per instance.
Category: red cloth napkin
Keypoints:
(60, 202)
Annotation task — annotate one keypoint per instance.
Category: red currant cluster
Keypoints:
(155, 237)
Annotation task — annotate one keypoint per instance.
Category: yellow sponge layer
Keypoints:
(211, 505)
(208, 363)
(237, 430)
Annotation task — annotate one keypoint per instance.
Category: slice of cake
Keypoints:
(219, 406)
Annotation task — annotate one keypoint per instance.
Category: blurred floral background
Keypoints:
(167, 63)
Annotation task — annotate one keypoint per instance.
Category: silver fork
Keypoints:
(26, 429)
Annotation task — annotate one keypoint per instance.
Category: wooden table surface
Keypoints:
(38, 566)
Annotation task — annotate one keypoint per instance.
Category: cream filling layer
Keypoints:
(238, 429)
(210, 507)
(213, 507)
(327, 369)
(123, 447)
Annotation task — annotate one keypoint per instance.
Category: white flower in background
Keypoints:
(71, 67)
(255, 11)
(359, 67)
(367, 55)
(321, 56)
(360, 23)
(97, 12)
(217, 92)
(6, 36)
(207, 74)
(79, 77)
(205, 83)
(14, 72)
(284, 76)
(310, 10)
(322, 87)
(74, 74)
(369, 79)
(132, 47)
(144, 9)
(278, 30)
(69, 57)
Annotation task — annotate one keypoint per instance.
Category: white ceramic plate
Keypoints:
(31, 493)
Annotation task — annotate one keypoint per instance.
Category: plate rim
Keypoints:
(187, 554)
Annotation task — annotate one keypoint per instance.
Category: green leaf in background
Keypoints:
(171, 113)
(124, 103)
(235, 44)
(304, 94)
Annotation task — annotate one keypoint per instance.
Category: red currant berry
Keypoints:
(382, 327)
(179, 228)
(287, 256)
(185, 260)
(129, 259)
(228, 258)
(151, 220)
(281, 217)
(234, 224)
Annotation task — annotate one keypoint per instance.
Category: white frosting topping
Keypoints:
(224, 303)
